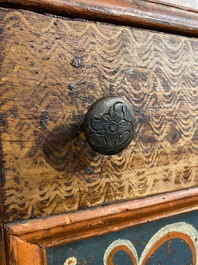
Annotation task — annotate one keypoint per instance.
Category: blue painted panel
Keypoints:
(135, 243)
(174, 251)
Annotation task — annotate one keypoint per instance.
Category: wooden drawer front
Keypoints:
(52, 70)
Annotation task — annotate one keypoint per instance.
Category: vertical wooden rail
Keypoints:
(2, 246)
(21, 252)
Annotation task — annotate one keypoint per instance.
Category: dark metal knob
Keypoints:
(109, 125)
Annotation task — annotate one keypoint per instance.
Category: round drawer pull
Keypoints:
(109, 125)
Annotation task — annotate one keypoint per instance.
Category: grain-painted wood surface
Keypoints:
(52, 70)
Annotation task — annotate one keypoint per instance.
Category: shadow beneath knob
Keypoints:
(66, 149)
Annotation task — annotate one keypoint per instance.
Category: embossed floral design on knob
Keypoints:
(114, 125)
(109, 125)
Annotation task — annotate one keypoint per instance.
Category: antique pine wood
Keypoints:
(29, 240)
(52, 70)
(47, 164)
(147, 14)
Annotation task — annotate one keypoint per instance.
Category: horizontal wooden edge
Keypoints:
(127, 12)
(68, 228)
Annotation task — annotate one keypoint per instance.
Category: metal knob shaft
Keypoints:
(109, 125)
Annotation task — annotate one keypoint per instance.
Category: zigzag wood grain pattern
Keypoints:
(52, 71)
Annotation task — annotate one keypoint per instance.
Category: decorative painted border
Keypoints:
(139, 13)
(27, 241)
(181, 230)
